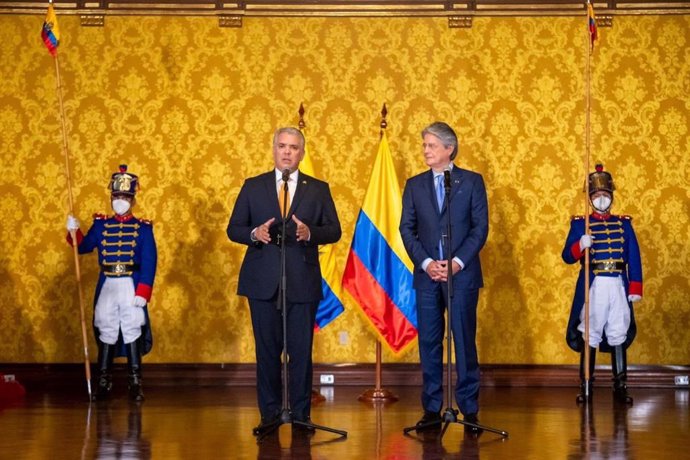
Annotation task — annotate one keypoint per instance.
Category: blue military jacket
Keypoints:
(126, 247)
(614, 252)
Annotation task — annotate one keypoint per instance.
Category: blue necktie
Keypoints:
(440, 195)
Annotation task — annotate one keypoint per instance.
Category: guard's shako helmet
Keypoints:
(600, 181)
(124, 183)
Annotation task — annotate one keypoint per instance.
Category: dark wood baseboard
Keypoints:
(33, 375)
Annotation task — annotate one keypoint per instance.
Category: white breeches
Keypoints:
(115, 310)
(608, 311)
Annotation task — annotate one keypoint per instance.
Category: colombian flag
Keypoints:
(378, 273)
(592, 22)
(50, 33)
(331, 306)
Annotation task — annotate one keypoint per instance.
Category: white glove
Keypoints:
(634, 298)
(585, 242)
(139, 301)
(72, 223)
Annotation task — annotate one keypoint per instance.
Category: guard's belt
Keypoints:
(119, 269)
(608, 266)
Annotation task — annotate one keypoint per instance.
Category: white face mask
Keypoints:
(601, 203)
(120, 206)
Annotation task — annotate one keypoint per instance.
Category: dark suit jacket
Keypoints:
(422, 223)
(260, 272)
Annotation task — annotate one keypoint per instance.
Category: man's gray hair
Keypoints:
(445, 133)
(288, 130)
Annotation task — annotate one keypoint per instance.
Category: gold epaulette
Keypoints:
(98, 216)
(577, 217)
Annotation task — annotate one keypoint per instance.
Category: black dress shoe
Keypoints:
(429, 420)
(472, 418)
(266, 424)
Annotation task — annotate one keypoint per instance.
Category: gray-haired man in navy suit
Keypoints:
(422, 226)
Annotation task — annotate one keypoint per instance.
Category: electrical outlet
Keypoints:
(681, 380)
(327, 379)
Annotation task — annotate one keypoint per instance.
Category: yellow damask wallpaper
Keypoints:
(191, 108)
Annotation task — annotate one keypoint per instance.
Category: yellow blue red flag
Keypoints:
(378, 272)
(50, 33)
(592, 24)
(331, 306)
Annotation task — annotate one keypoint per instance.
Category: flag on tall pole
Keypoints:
(592, 20)
(50, 33)
(592, 35)
(331, 306)
(378, 273)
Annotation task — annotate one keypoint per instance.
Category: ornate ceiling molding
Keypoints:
(344, 8)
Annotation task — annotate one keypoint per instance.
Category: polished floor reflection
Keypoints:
(216, 423)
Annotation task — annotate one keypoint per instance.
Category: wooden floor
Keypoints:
(216, 423)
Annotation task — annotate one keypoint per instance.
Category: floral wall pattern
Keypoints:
(191, 108)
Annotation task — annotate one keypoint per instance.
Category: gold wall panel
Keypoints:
(191, 107)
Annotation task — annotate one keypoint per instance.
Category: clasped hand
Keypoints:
(438, 270)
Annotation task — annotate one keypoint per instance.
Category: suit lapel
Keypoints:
(272, 191)
(303, 182)
(431, 190)
(455, 181)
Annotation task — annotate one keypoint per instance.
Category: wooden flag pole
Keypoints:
(73, 234)
(588, 95)
(379, 394)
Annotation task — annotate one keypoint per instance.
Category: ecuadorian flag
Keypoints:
(331, 306)
(592, 25)
(50, 33)
(378, 273)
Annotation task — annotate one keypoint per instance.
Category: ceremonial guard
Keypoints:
(616, 283)
(127, 258)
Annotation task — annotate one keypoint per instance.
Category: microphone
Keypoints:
(286, 178)
(446, 178)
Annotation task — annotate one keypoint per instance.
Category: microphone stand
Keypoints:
(281, 304)
(450, 414)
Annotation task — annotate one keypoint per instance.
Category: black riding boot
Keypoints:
(585, 395)
(619, 367)
(136, 392)
(106, 354)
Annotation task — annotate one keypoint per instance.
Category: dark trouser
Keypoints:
(431, 327)
(267, 324)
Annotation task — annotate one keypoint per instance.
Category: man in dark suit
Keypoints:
(423, 226)
(256, 221)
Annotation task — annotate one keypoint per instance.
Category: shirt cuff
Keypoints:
(426, 263)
